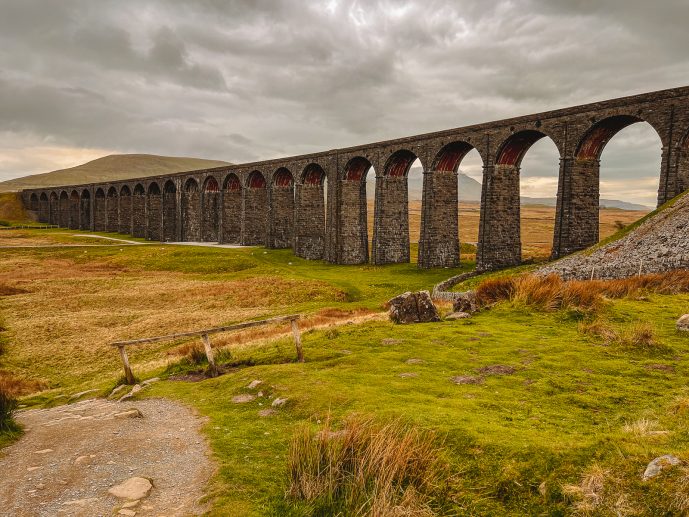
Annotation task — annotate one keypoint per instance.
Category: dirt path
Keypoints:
(71, 455)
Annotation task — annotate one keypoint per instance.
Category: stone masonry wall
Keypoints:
(353, 227)
(231, 217)
(169, 216)
(439, 246)
(282, 217)
(255, 217)
(99, 214)
(391, 221)
(139, 215)
(210, 216)
(309, 242)
(154, 218)
(191, 215)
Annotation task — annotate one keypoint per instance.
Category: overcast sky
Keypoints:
(255, 79)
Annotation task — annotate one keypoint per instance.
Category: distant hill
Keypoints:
(470, 190)
(111, 168)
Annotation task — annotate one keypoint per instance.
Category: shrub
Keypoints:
(8, 405)
(366, 468)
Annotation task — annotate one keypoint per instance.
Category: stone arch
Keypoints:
(255, 210)
(391, 211)
(85, 210)
(578, 212)
(353, 212)
(154, 212)
(74, 210)
(169, 219)
(139, 211)
(112, 212)
(310, 209)
(281, 214)
(43, 208)
(99, 212)
(124, 224)
(54, 206)
(64, 209)
(439, 240)
(191, 211)
(210, 203)
(231, 209)
(499, 227)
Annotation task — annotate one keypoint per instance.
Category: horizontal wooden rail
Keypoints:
(204, 335)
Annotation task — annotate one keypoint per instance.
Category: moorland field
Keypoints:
(531, 411)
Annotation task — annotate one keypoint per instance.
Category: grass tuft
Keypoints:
(366, 468)
(551, 293)
(8, 405)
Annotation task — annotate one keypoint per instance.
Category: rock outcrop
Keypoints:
(413, 308)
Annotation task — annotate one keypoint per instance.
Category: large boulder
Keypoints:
(683, 323)
(413, 308)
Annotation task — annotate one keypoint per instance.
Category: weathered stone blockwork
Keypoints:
(329, 203)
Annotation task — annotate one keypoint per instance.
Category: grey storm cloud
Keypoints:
(244, 80)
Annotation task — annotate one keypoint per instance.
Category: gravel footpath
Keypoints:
(71, 455)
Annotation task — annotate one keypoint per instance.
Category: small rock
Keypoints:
(40, 486)
(81, 394)
(117, 390)
(466, 379)
(659, 464)
(136, 389)
(683, 323)
(81, 502)
(259, 394)
(278, 402)
(266, 412)
(241, 399)
(130, 413)
(131, 504)
(458, 316)
(147, 382)
(413, 308)
(390, 341)
(127, 512)
(414, 361)
(408, 375)
(43, 451)
(254, 383)
(82, 460)
(132, 489)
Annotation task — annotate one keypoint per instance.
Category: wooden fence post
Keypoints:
(127, 369)
(212, 368)
(297, 341)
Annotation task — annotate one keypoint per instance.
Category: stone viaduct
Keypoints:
(316, 203)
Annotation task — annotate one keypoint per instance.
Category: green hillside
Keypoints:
(113, 167)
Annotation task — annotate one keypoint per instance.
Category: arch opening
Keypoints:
(608, 172)
(33, 202)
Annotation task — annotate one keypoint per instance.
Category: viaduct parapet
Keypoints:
(316, 203)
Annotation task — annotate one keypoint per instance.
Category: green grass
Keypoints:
(514, 442)
(563, 410)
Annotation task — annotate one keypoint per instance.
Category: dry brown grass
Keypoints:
(366, 468)
(63, 324)
(599, 493)
(552, 293)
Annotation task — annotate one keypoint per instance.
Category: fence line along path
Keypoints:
(205, 339)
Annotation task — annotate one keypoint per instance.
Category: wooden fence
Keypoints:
(205, 339)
